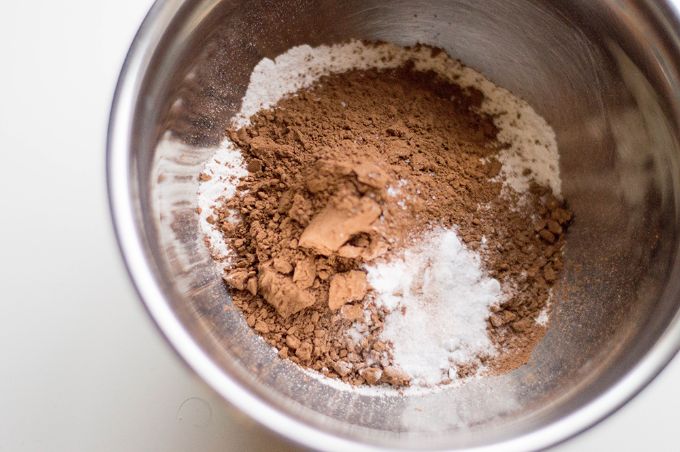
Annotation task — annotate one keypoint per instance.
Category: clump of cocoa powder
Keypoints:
(355, 168)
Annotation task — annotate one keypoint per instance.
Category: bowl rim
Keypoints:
(131, 246)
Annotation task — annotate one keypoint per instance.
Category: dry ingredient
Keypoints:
(400, 221)
(446, 299)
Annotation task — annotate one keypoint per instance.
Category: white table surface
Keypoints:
(82, 366)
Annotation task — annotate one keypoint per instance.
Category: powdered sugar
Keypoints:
(439, 299)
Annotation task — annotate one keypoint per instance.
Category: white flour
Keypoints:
(225, 169)
(446, 295)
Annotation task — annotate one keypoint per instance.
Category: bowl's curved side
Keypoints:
(125, 206)
(133, 247)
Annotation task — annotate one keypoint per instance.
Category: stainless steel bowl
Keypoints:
(603, 73)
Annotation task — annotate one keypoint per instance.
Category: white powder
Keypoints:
(357, 332)
(226, 168)
(543, 317)
(439, 299)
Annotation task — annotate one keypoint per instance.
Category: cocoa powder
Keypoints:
(357, 167)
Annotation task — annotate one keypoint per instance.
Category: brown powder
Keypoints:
(358, 167)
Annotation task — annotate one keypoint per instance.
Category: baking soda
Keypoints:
(439, 299)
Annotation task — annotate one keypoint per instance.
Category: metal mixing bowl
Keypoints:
(603, 73)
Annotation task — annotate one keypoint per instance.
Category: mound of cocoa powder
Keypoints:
(357, 167)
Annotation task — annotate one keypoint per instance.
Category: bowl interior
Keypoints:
(601, 73)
